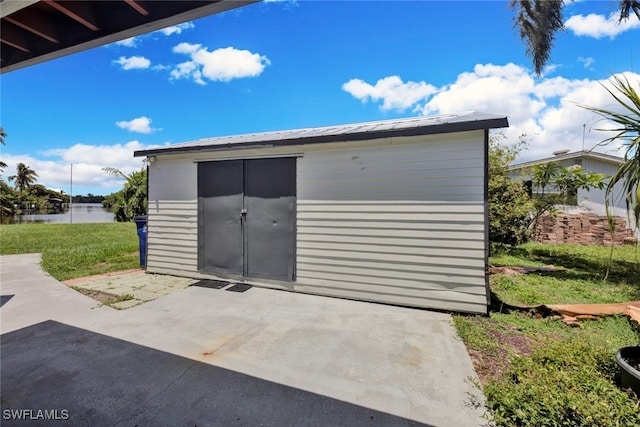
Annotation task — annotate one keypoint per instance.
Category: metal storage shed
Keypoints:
(390, 211)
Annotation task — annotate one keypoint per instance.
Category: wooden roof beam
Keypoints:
(14, 38)
(134, 4)
(34, 21)
(78, 11)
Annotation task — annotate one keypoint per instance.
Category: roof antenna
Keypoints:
(584, 125)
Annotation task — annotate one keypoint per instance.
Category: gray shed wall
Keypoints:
(395, 220)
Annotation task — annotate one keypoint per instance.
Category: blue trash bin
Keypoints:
(141, 226)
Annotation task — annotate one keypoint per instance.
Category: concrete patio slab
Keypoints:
(322, 361)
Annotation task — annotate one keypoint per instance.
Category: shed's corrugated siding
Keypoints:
(401, 224)
(399, 221)
(172, 217)
(596, 196)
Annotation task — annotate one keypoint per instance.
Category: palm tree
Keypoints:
(544, 174)
(540, 20)
(24, 176)
(627, 133)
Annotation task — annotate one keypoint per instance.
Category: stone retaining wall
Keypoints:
(583, 228)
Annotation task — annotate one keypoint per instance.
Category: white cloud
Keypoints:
(133, 62)
(168, 31)
(492, 88)
(54, 166)
(160, 67)
(140, 125)
(394, 93)
(116, 155)
(599, 26)
(222, 64)
(546, 109)
(549, 69)
(587, 62)
(177, 29)
(187, 48)
(130, 42)
(186, 70)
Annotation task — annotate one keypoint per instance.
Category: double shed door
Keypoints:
(246, 217)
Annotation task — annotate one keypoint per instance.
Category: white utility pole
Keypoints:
(71, 197)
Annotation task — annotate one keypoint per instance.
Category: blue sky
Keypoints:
(292, 64)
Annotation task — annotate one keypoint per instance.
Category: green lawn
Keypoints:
(74, 250)
(540, 372)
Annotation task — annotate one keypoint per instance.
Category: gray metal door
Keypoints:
(220, 203)
(270, 196)
(247, 217)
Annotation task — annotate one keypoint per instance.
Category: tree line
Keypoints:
(27, 196)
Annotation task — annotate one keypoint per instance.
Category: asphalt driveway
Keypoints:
(205, 356)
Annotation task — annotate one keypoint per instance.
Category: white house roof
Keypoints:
(568, 156)
(424, 125)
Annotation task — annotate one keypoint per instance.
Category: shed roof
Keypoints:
(424, 125)
(608, 158)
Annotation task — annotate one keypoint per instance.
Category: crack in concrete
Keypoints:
(138, 410)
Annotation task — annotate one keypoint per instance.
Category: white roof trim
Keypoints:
(568, 156)
(423, 125)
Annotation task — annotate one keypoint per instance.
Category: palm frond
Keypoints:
(628, 6)
(627, 132)
(115, 172)
(538, 22)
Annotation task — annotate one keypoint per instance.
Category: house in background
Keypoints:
(586, 201)
(392, 211)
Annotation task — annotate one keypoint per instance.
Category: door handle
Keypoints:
(243, 215)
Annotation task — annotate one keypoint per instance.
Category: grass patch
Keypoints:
(582, 282)
(540, 372)
(70, 251)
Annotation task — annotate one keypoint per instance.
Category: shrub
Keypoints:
(563, 385)
(509, 204)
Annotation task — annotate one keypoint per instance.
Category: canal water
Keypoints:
(80, 213)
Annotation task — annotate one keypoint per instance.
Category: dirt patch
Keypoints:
(518, 344)
(496, 363)
(517, 270)
(102, 297)
(487, 366)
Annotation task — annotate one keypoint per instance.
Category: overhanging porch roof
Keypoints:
(35, 31)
